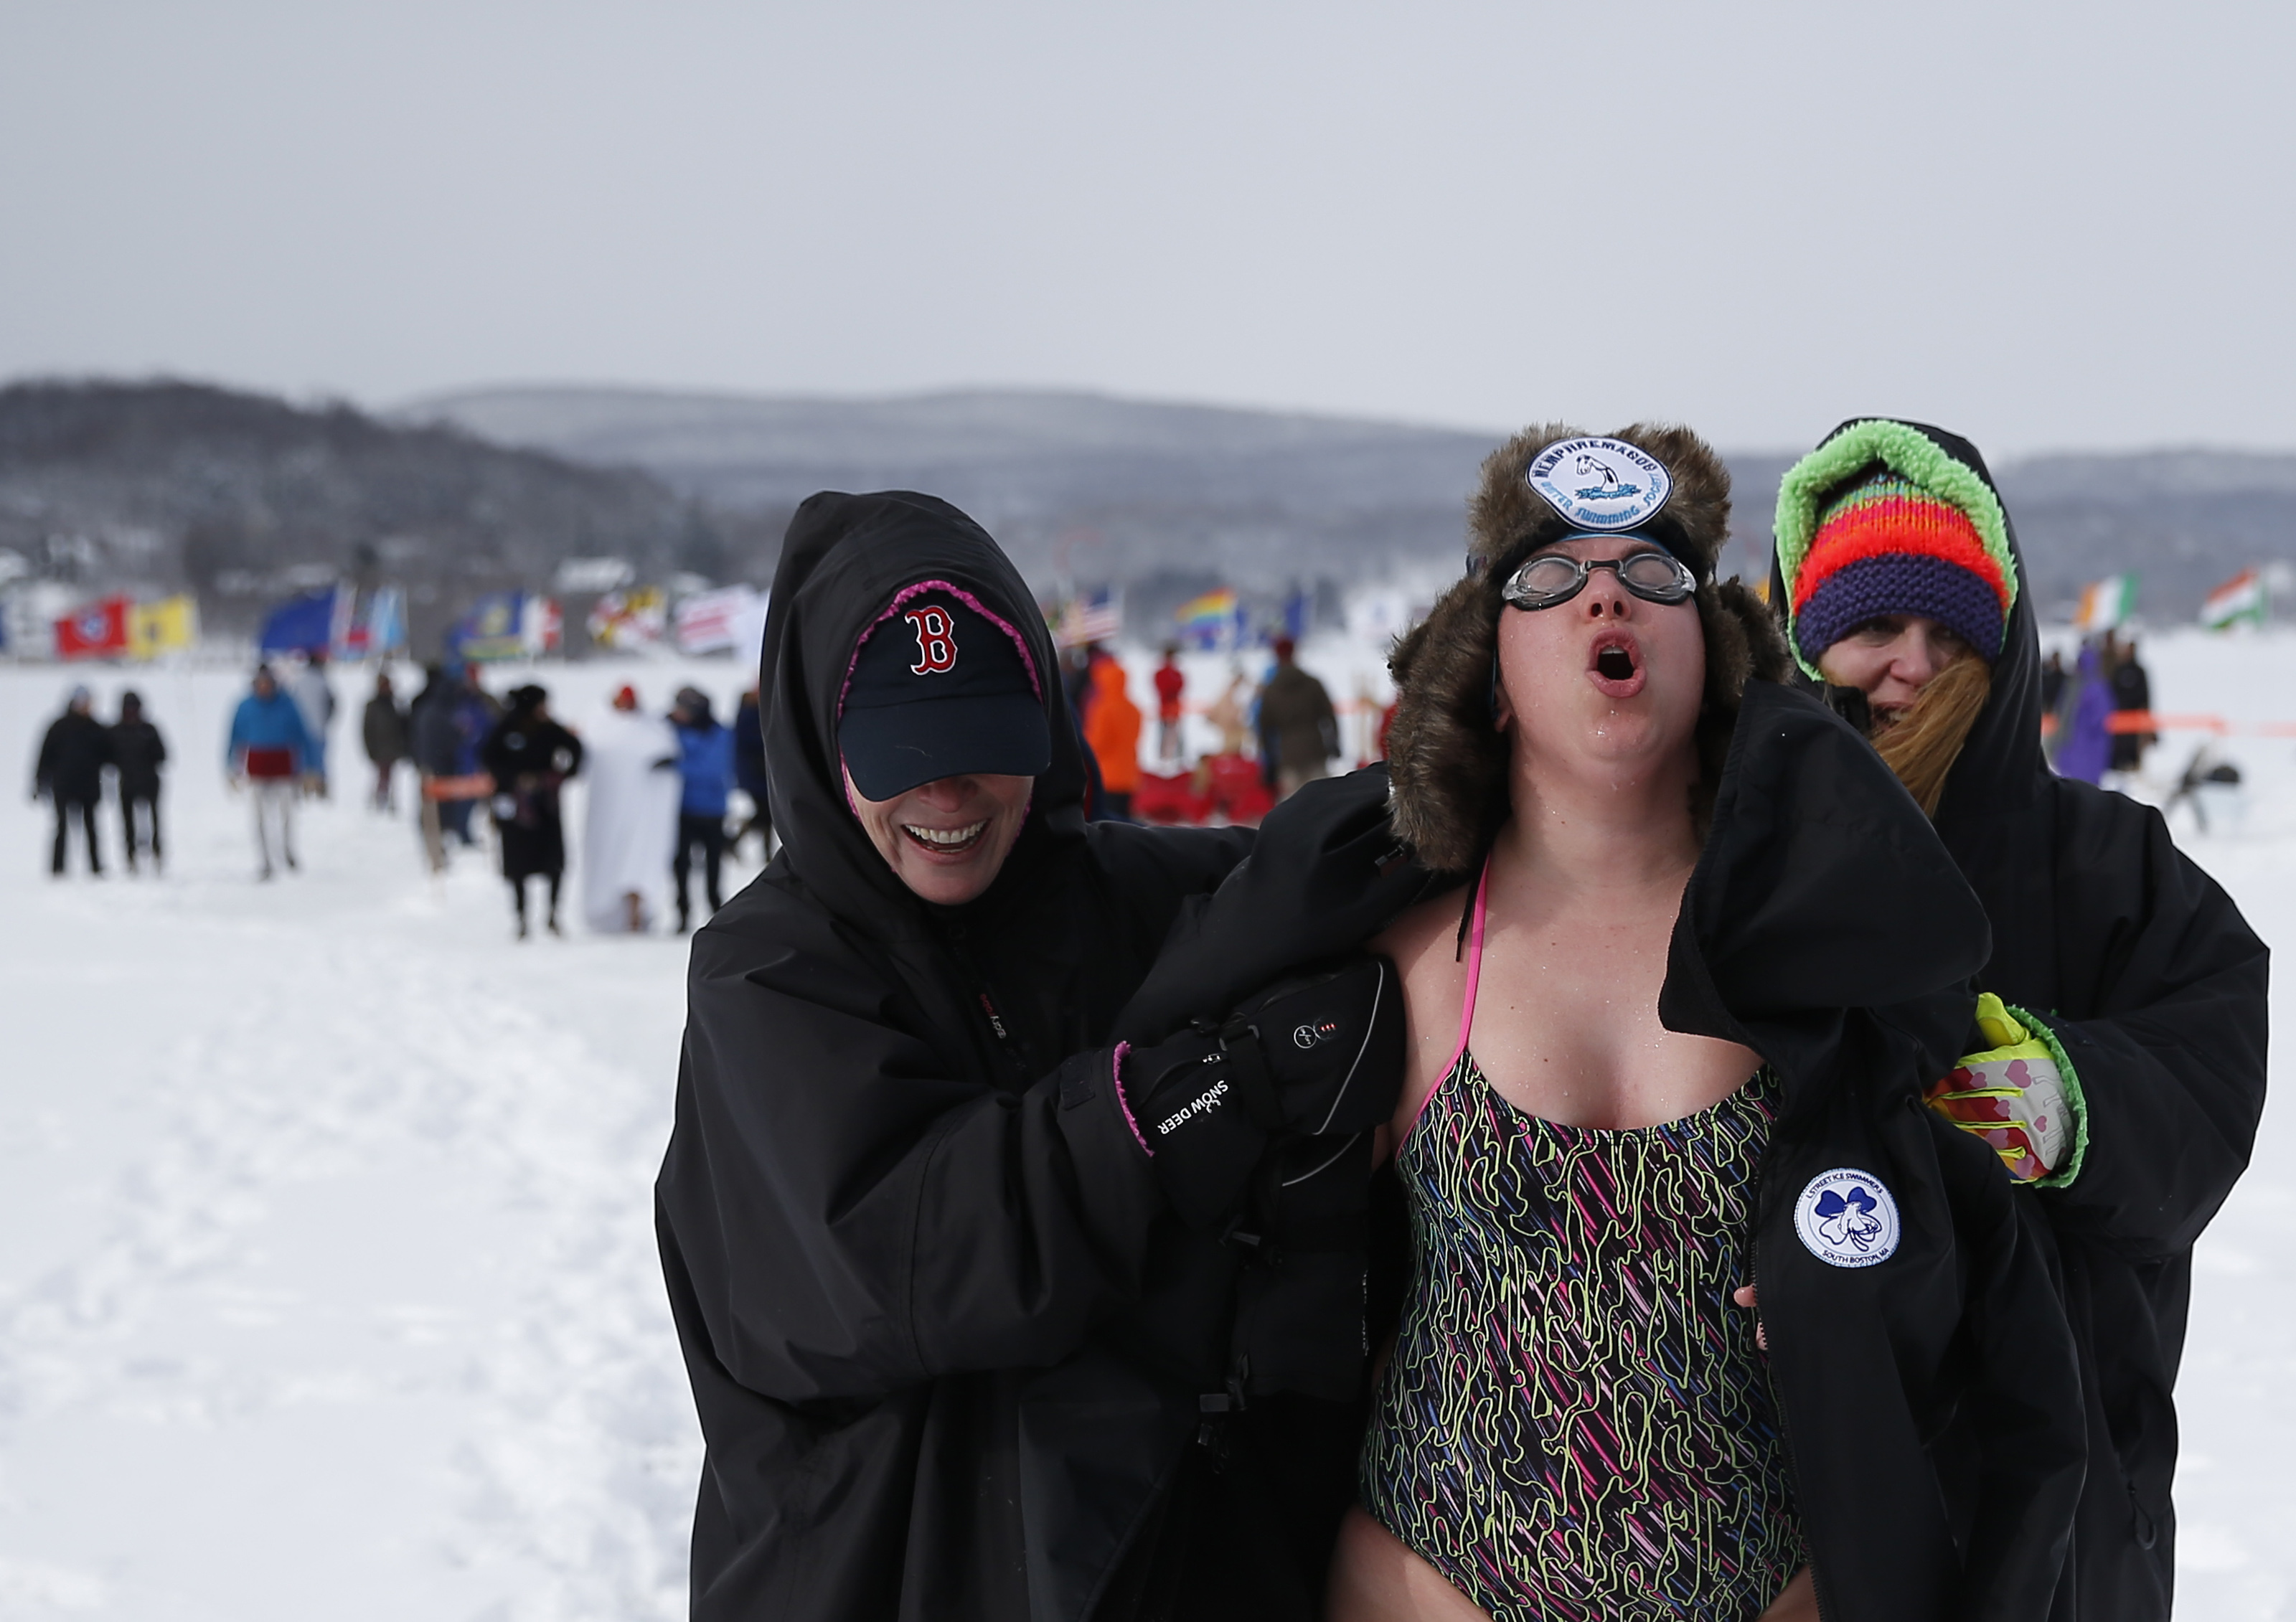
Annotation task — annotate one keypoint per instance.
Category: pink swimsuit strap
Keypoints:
(1466, 1003)
(1474, 966)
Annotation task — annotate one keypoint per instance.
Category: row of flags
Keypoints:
(349, 625)
(525, 624)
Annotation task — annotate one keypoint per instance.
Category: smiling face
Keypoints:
(1607, 682)
(947, 840)
(1891, 659)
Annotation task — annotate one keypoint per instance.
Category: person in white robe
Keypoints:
(630, 829)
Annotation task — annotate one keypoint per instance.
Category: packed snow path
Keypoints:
(327, 1282)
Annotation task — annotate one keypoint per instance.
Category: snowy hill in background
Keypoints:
(1268, 497)
(1103, 488)
(157, 486)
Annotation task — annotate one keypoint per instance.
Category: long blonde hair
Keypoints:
(1922, 744)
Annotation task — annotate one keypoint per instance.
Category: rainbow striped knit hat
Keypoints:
(1880, 519)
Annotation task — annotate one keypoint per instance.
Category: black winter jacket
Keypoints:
(73, 755)
(1825, 927)
(2156, 986)
(529, 760)
(945, 1343)
(138, 754)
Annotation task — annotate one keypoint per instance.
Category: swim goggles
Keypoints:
(1552, 577)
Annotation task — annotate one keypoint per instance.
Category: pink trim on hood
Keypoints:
(1028, 661)
(1115, 1075)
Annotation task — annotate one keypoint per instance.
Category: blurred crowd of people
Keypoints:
(1272, 739)
(673, 775)
(661, 787)
(660, 790)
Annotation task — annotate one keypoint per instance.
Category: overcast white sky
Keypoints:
(2048, 226)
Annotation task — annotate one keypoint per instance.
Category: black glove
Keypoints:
(1318, 1055)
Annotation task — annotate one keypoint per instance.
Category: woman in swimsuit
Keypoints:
(1577, 1416)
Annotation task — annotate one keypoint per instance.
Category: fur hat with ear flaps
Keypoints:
(1446, 759)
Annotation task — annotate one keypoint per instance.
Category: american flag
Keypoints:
(1094, 616)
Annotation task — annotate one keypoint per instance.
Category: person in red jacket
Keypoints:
(1171, 682)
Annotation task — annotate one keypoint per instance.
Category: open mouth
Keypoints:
(946, 841)
(1616, 664)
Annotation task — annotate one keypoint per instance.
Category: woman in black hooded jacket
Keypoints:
(2117, 951)
(1825, 928)
(949, 1343)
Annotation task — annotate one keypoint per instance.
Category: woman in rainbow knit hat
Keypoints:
(2119, 1069)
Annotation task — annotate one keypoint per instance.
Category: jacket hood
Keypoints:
(844, 560)
(2001, 768)
(1910, 454)
(1820, 889)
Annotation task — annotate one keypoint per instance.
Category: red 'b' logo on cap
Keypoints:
(936, 641)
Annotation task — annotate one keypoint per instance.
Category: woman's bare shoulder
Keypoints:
(1424, 945)
(1425, 935)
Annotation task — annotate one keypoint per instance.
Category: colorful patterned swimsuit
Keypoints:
(1575, 1422)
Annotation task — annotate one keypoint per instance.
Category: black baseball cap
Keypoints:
(939, 687)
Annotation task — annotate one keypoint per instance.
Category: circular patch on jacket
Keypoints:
(1846, 1218)
(1601, 484)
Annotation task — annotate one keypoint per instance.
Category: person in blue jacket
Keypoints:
(705, 763)
(268, 750)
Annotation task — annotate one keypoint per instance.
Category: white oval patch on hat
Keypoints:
(1846, 1218)
(1601, 484)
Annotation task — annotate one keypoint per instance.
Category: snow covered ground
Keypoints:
(327, 1284)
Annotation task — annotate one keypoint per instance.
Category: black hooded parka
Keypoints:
(1825, 929)
(2155, 985)
(945, 1342)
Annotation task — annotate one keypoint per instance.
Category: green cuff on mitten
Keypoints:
(2037, 1028)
